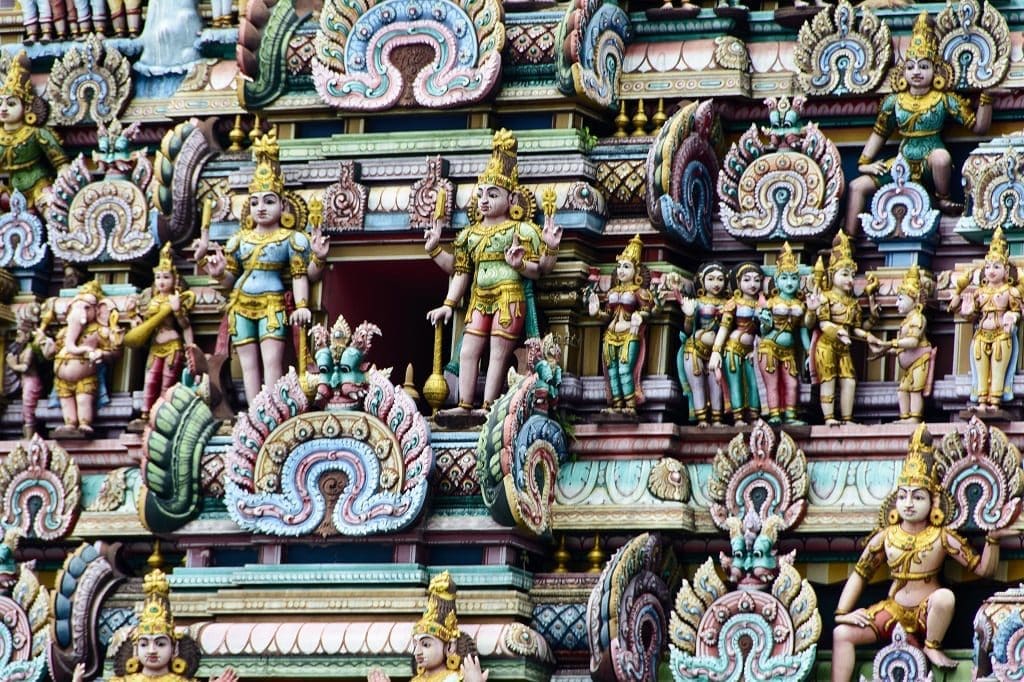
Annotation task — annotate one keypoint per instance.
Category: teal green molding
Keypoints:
(606, 482)
(418, 143)
(92, 483)
(342, 668)
(459, 506)
(486, 576)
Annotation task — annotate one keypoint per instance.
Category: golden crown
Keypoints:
(634, 249)
(166, 262)
(91, 288)
(156, 618)
(917, 468)
(923, 43)
(439, 619)
(17, 82)
(998, 249)
(841, 255)
(267, 176)
(911, 284)
(787, 260)
(502, 170)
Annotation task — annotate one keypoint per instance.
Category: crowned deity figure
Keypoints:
(732, 353)
(628, 304)
(494, 259)
(30, 154)
(836, 315)
(163, 327)
(914, 352)
(701, 317)
(156, 651)
(783, 336)
(914, 540)
(918, 108)
(256, 265)
(24, 355)
(441, 652)
(990, 298)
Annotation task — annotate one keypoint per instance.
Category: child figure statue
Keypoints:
(733, 349)
(914, 541)
(913, 350)
(782, 328)
(164, 328)
(836, 315)
(442, 652)
(991, 299)
(628, 305)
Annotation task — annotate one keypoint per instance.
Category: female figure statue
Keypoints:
(782, 329)
(253, 265)
(837, 316)
(918, 109)
(164, 328)
(31, 155)
(994, 305)
(913, 350)
(700, 328)
(442, 652)
(156, 652)
(629, 305)
(493, 259)
(914, 543)
(734, 343)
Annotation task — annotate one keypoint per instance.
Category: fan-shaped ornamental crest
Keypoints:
(407, 53)
(837, 55)
(975, 43)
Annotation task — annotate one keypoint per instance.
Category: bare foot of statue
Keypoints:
(947, 206)
(703, 425)
(939, 658)
(831, 421)
(459, 411)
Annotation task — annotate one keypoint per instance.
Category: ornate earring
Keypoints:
(893, 517)
(31, 118)
(516, 212)
(178, 665)
(288, 220)
(939, 82)
(453, 661)
(937, 516)
(131, 666)
(901, 84)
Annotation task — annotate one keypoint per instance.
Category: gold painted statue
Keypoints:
(442, 652)
(494, 260)
(914, 542)
(914, 352)
(156, 652)
(836, 314)
(990, 298)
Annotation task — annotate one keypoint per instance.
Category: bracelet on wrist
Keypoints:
(895, 344)
(434, 252)
(449, 302)
(716, 349)
(989, 540)
(303, 303)
(201, 263)
(840, 612)
(546, 250)
(318, 261)
(985, 99)
(864, 160)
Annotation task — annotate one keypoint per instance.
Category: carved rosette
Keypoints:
(899, 660)
(183, 154)
(626, 623)
(518, 456)
(780, 183)
(765, 475)
(590, 44)
(781, 628)
(993, 177)
(372, 56)
(981, 469)
(22, 243)
(294, 473)
(90, 575)
(423, 195)
(682, 171)
(24, 617)
(975, 43)
(900, 209)
(834, 57)
(91, 83)
(41, 489)
(345, 200)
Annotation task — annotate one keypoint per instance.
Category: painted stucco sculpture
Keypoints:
(24, 617)
(837, 55)
(40, 488)
(21, 235)
(732, 353)
(184, 152)
(901, 209)
(784, 340)
(90, 83)
(975, 41)
(26, 358)
(590, 44)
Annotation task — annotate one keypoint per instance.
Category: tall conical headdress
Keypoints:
(634, 249)
(841, 255)
(16, 80)
(156, 618)
(91, 288)
(267, 176)
(923, 43)
(911, 284)
(503, 169)
(917, 467)
(166, 262)
(439, 620)
(787, 260)
(998, 249)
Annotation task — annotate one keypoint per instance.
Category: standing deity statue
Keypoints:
(628, 305)
(732, 353)
(156, 651)
(495, 260)
(918, 108)
(701, 316)
(37, 17)
(783, 335)
(24, 355)
(836, 315)
(89, 339)
(914, 352)
(914, 541)
(255, 265)
(990, 298)
(442, 652)
(30, 155)
(163, 327)
(125, 16)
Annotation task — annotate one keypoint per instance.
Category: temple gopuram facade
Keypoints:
(511, 340)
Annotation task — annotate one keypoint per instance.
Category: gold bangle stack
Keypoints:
(985, 99)
(317, 261)
(303, 303)
(433, 253)
(449, 302)
(546, 250)
(840, 612)
(863, 160)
